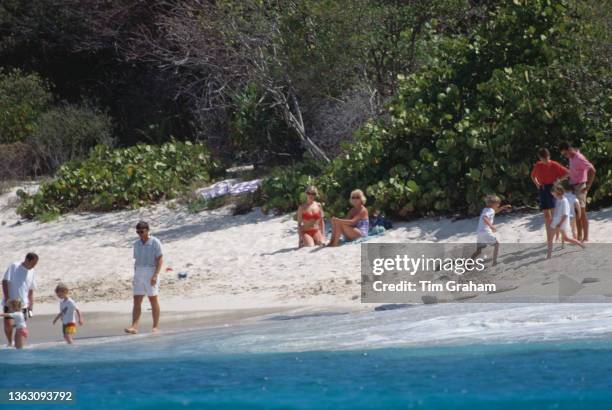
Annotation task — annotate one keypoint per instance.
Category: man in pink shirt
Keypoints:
(581, 176)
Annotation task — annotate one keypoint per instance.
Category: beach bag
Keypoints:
(380, 220)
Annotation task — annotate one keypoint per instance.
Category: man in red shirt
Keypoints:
(544, 174)
(581, 176)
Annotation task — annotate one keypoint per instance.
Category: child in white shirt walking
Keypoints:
(574, 204)
(68, 313)
(561, 220)
(486, 230)
(19, 322)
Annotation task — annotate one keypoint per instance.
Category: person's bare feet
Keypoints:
(131, 330)
(155, 330)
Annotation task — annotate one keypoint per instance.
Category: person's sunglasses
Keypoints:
(310, 193)
(355, 197)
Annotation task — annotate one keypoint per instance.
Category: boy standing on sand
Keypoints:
(574, 207)
(561, 222)
(68, 313)
(486, 230)
(19, 283)
(148, 259)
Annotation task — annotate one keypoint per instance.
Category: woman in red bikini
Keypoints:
(311, 226)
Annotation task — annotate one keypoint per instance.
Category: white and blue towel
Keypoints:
(229, 187)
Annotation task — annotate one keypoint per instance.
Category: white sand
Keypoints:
(248, 261)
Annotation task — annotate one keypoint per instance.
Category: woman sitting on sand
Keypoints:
(311, 226)
(356, 224)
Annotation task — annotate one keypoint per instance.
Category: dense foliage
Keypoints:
(66, 133)
(163, 68)
(51, 133)
(257, 134)
(470, 121)
(23, 98)
(426, 105)
(284, 189)
(121, 178)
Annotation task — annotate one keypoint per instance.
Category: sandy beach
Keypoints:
(236, 265)
(162, 162)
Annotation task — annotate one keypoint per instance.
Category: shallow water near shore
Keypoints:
(453, 356)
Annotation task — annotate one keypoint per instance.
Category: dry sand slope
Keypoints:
(231, 261)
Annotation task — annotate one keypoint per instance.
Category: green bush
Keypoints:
(469, 122)
(68, 133)
(23, 98)
(121, 178)
(257, 132)
(283, 190)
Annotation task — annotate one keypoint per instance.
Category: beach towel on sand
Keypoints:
(380, 220)
(229, 187)
(374, 231)
(244, 187)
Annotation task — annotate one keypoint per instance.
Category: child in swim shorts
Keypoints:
(68, 313)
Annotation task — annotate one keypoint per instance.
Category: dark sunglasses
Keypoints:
(310, 193)
(355, 197)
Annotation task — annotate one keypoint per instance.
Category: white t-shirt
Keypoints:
(68, 309)
(18, 320)
(484, 232)
(482, 226)
(146, 254)
(572, 200)
(21, 281)
(562, 207)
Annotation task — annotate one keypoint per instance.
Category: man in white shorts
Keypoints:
(19, 283)
(148, 259)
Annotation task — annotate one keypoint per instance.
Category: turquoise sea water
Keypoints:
(499, 358)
